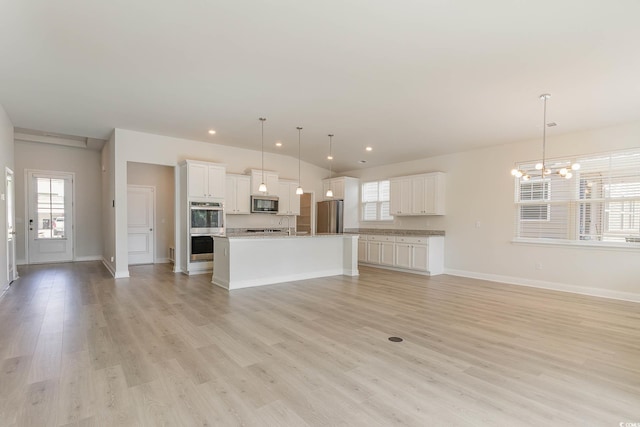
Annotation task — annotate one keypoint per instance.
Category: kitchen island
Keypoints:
(245, 261)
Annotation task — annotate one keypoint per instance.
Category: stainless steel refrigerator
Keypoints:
(330, 217)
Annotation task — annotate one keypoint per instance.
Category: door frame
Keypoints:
(9, 172)
(155, 218)
(27, 172)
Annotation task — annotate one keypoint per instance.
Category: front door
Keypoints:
(12, 273)
(140, 219)
(50, 226)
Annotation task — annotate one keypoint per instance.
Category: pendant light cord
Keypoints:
(544, 98)
(262, 119)
(330, 155)
(299, 179)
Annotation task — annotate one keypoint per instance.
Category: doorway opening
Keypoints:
(304, 221)
(12, 272)
(150, 217)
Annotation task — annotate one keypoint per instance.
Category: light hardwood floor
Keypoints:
(80, 348)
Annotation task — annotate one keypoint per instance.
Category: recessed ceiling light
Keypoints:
(369, 149)
(329, 157)
(362, 161)
(278, 144)
(212, 132)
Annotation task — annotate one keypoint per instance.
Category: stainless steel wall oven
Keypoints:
(201, 248)
(207, 218)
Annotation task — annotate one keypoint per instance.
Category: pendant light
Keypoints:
(299, 190)
(330, 157)
(542, 166)
(263, 187)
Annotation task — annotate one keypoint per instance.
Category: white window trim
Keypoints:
(583, 244)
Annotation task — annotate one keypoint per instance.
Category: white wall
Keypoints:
(480, 188)
(6, 161)
(85, 163)
(131, 146)
(160, 177)
(107, 160)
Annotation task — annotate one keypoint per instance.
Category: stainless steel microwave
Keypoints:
(264, 204)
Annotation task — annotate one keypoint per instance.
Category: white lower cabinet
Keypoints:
(420, 254)
(420, 257)
(412, 252)
(386, 253)
(373, 252)
(380, 250)
(403, 255)
(362, 249)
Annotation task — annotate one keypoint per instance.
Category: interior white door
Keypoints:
(140, 223)
(12, 272)
(50, 227)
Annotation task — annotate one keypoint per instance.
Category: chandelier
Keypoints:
(545, 170)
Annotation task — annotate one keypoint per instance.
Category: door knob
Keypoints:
(151, 229)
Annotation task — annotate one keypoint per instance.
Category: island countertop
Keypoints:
(278, 235)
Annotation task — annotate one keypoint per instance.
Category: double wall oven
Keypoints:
(207, 220)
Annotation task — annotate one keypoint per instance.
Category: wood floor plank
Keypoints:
(39, 405)
(77, 399)
(79, 348)
(47, 356)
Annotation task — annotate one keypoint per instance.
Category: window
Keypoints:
(534, 191)
(50, 207)
(375, 201)
(599, 204)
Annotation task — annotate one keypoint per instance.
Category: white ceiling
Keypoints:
(410, 78)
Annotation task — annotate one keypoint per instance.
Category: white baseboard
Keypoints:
(76, 259)
(88, 258)
(114, 273)
(554, 286)
(350, 272)
(121, 274)
(403, 270)
(162, 261)
(106, 264)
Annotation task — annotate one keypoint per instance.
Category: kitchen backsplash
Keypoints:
(259, 221)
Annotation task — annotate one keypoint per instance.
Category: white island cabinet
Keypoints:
(247, 261)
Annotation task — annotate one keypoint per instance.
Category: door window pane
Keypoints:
(50, 207)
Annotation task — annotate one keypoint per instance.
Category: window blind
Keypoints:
(375, 201)
(599, 204)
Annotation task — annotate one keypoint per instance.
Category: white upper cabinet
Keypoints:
(216, 177)
(400, 196)
(418, 194)
(238, 194)
(288, 200)
(337, 187)
(270, 179)
(205, 180)
(429, 197)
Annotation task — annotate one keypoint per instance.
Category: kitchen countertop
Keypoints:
(394, 232)
(277, 235)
